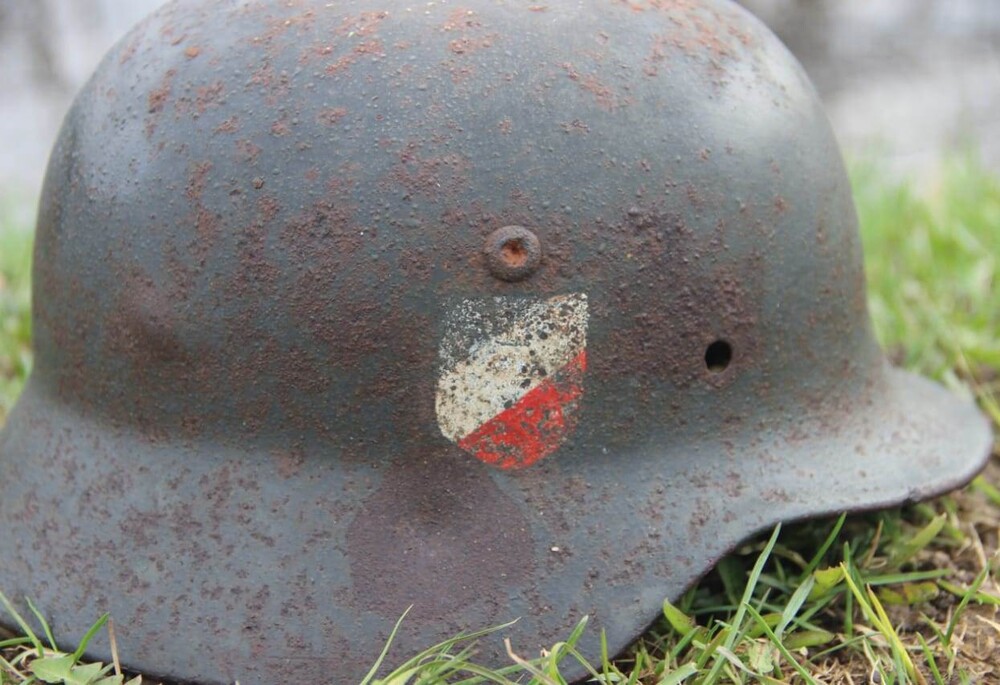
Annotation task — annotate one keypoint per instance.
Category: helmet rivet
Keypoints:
(512, 253)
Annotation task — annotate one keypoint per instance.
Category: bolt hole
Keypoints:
(718, 356)
(514, 253)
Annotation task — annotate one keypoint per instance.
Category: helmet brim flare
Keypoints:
(202, 545)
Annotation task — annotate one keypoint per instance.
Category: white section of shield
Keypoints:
(502, 367)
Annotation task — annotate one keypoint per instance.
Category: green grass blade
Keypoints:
(930, 661)
(964, 602)
(876, 615)
(961, 592)
(912, 577)
(730, 572)
(22, 624)
(14, 642)
(911, 547)
(370, 676)
(980, 484)
(89, 635)
(795, 603)
(792, 661)
(825, 547)
(678, 675)
(45, 624)
(678, 620)
(737, 621)
(809, 638)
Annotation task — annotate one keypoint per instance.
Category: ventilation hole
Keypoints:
(718, 356)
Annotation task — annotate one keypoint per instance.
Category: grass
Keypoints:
(15, 312)
(932, 264)
(899, 596)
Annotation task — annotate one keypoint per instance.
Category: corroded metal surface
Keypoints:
(260, 280)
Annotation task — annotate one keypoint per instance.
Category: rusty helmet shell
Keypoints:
(275, 238)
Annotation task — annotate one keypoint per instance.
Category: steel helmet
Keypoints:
(497, 310)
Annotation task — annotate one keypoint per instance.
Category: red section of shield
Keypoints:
(535, 426)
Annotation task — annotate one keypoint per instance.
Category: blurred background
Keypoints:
(905, 81)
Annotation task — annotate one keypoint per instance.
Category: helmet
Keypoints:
(504, 311)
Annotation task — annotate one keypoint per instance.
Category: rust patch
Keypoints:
(603, 95)
(278, 27)
(130, 49)
(696, 30)
(267, 209)
(332, 116)
(157, 101)
(373, 48)
(288, 462)
(315, 51)
(701, 298)
(470, 39)
(230, 125)
(209, 96)
(430, 176)
(143, 328)
(206, 97)
(247, 151)
(196, 182)
(575, 126)
(280, 128)
(365, 24)
(206, 222)
(657, 55)
(275, 86)
(169, 34)
(339, 65)
(369, 47)
(323, 240)
(468, 45)
(513, 254)
(461, 19)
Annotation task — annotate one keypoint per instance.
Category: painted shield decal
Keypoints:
(511, 376)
